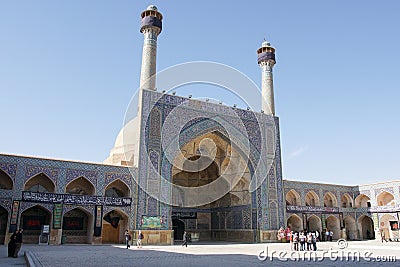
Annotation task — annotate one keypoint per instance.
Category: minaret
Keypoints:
(266, 60)
(151, 28)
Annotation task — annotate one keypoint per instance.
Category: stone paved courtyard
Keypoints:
(216, 254)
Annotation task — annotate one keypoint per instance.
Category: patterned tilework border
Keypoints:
(31, 171)
(112, 177)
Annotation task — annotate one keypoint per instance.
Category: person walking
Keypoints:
(330, 235)
(128, 238)
(18, 242)
(185, 239)
(327, 235)
(11, 245)
(139, 239)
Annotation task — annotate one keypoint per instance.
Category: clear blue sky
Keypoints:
(69, 68)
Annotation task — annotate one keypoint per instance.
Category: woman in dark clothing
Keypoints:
(11, 245)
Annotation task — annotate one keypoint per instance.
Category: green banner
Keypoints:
(323, 221)
(57, 215)
(151, 222)
(375, 220)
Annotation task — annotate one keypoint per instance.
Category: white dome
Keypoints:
(152, 7)
(125, 145)
(128, 133)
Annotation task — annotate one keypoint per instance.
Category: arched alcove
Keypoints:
(330, 200)
(385, 199)
(293, 198)
(295, 223)
(346, 201)
(80, 186)
(312, 199)
(78, 226)
(117, 189)
(32, 220)
(40, 183)
(314, 223)
(351, 228)
(333, 225)
(6, 182)
(115, 223)
(362, 201)
(366, 227)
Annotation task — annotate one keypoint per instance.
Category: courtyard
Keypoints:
(370, 253)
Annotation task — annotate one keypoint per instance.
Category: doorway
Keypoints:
(179, 227)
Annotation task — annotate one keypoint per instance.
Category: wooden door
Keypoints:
(110, 234)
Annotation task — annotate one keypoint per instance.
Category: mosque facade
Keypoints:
(224, 184)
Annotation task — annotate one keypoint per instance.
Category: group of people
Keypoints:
(128, 239)
(15, 243)
(304, 240)
(298, 240)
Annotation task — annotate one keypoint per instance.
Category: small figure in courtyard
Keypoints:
(11, 245)
(139, 239)
(18, 242)
(185, 239)
(128, 238)
(327, 234)
(330, 235)
(317, 235)
(302, 239)
(314, 241)
(383, 236)
(295, 242)
(309, 241)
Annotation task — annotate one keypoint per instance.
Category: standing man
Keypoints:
(18, 242)
(185, 239)
(314, 241)
(128, 238)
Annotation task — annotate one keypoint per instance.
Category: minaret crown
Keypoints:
(151, 18)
